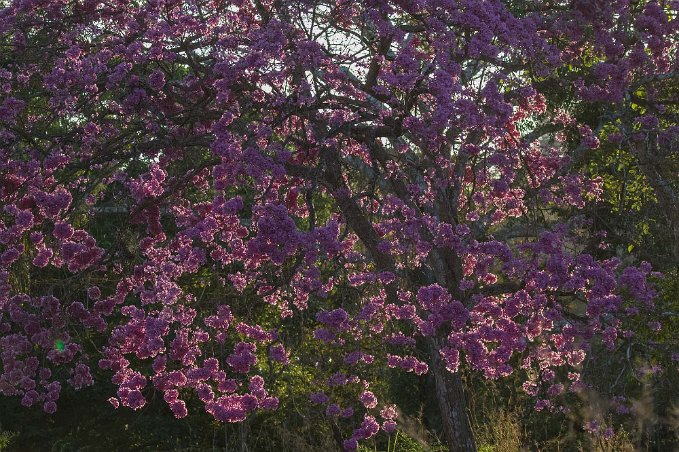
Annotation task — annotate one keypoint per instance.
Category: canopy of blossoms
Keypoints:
(403, 151)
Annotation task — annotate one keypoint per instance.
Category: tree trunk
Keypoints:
(452, 405)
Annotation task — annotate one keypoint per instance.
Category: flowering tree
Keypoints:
(422, 155)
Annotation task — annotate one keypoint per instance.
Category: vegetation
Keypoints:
(290, 225)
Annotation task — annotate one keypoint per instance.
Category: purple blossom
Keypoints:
(157, 80)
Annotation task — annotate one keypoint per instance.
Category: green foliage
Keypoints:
(402, 442)
(5, 440)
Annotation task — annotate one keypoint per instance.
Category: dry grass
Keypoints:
(502, 434)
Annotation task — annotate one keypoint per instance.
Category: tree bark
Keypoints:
(452, 404)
